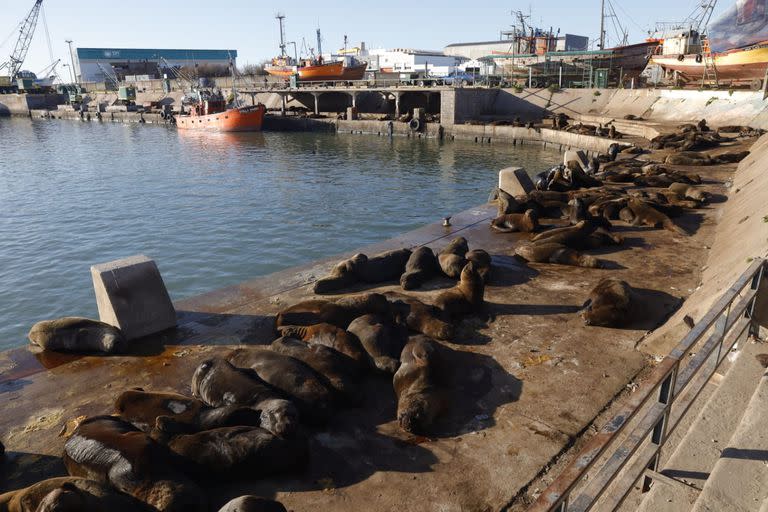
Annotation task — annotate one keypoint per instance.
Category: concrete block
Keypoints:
(579, 156)
(515, 181)
(351, 113)
(131, 295)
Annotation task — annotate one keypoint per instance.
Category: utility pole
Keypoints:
(602, 25)
(72, 60)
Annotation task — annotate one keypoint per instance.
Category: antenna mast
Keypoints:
(602, 25)
(281, 19)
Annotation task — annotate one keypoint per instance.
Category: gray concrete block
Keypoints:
(515, 181)
(351, 113)
(578, 156)
(131, 295)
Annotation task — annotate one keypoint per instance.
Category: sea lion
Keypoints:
(338, 370)
(220, 384)
(421, 267)
(421, 397)
(689, 158)
(571, 236)
(507, 203)
(173, 413)
(70, 494)
(644, 214)
(546, 252)
(451, 257)
(314, 398)
(329, 336)
(343, 275)
(527, 222)
(685, 191)
(482, 261)
(252, 504)
(237, 452)
(382, 339)
(112, 451)
(74, 334)
(339, 312)
(466, 297)
(608, 304)
(577, 212)
(422, 318)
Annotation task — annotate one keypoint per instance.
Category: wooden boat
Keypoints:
(284, 67)
(740, 64)
(212, 115)
(332, 71)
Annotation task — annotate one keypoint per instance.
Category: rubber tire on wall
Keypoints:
(414, 125)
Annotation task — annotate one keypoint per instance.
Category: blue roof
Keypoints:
(153, 54)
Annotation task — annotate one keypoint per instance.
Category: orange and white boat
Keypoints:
(332, 71)
(212, 115)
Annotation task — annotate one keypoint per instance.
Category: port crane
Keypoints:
(13, 65)
(126, 94)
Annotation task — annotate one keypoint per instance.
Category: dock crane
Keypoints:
(13, 65)
(126, 94)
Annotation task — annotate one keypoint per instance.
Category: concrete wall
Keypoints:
(21, 104)
(462, 105)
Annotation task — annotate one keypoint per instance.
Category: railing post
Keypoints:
(754, 328)
(659, 433)
(721, 326)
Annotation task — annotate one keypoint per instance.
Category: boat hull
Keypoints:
(281, 71)
(247, 119)
(332, 71)
(733, 65)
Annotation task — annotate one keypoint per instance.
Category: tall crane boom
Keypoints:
(26, 32)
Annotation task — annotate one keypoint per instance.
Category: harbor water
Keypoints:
(211, 209)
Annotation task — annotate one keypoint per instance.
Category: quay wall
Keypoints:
(21, 104)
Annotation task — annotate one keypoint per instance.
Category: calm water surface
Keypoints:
(212, 210)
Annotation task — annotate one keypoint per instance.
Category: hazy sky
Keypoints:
(250, 27)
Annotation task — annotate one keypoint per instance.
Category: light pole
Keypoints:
(71, 73)
(72, 59)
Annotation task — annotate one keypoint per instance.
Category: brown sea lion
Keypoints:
(644, 214)
(688, 158)
(422, 318)
(339, 312)
(329, 336)
(70, 494)
(570, 236)
(527, 222)
(219, 384)
(339, 371)
(239, 452)
(74, 334)
(482, 261)
(466, 297)
(252, 504)
(382, 339)
(343, 275)
(171, 413)
(114, 452)
(578, 211)
(609, 304)
(451, 257)
(507, 203)
(421, 397)
(685, 191)
(546, 252)
(314, 398)
(421, 267)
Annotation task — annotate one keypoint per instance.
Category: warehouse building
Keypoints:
(407, 60)
(93, 63)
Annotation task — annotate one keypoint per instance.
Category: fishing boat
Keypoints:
(210, 113)
(333, 71)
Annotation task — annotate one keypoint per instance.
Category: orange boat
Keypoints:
(212, 115)
(332, 71)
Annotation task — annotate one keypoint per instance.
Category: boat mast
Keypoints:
(319, 47)
(280, 18)
(602, 25)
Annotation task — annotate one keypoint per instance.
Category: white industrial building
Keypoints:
(405, 60)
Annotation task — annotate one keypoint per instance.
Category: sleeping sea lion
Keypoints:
(219, 384)
(685, 191)
(339, 312)
(329, 336)
(609, 304)
(643, 214)
(343, 275)
(527, 222)
(382, 339)
(112, 451)
(569, 236)
(74, 334)
(383, 267)
(252, 504)
(421, 397)
(339, 371)
(451, 257)
(314, 398)
(422, 318)
(70, 494)
(546, 252)
(421, 267)
(466, 297)
(238, 452)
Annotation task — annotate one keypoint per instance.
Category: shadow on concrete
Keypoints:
(745, 454)
(533, 309)
(651, 308)
(21, 469)
(202, 328)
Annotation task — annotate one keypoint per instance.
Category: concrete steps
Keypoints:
(701, 444)
(739, 481)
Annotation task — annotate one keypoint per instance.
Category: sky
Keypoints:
(250, 27)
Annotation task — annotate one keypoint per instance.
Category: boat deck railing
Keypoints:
(616, 458)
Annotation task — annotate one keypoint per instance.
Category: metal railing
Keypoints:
(664, 398)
